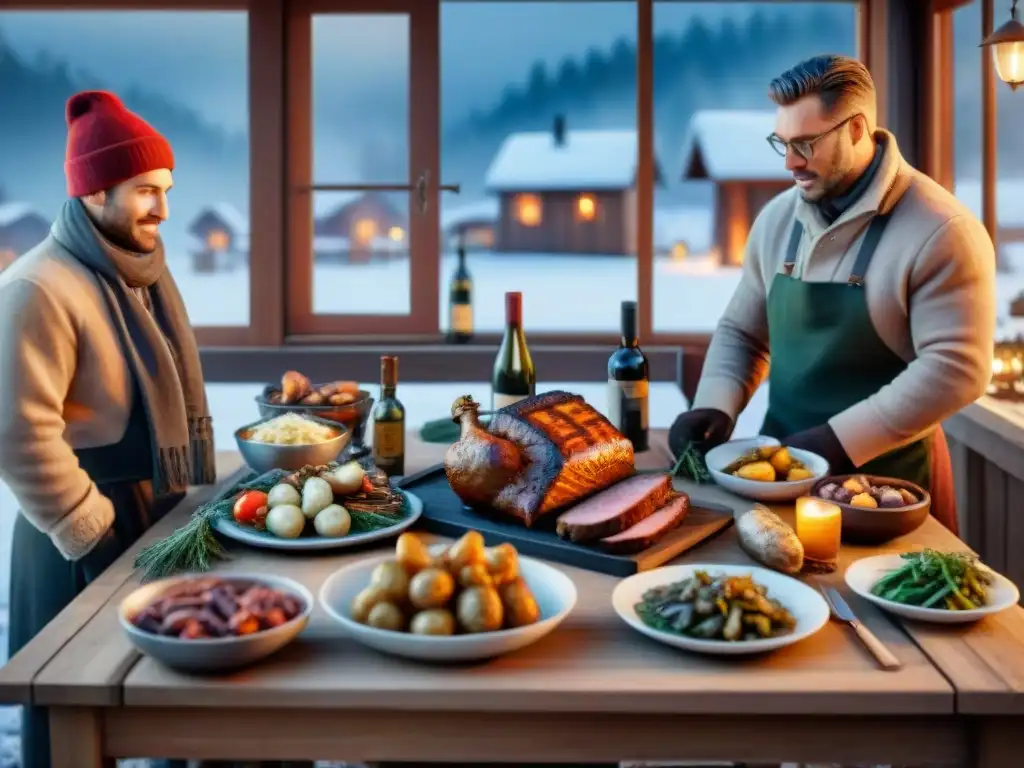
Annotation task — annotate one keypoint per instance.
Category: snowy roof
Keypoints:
(12, 212)
(226, 212)
(587, 159)
(1009, 200)
(730, 145)
(326, 204)
(481, 210)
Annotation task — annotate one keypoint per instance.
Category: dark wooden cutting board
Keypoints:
(444, 514)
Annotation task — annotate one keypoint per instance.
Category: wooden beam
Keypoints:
(873, 30)
(942, 6)
(645, 168)
(989, 146)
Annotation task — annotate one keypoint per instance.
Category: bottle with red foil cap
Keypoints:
(514, 376)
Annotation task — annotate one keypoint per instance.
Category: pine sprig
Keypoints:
(691, 465)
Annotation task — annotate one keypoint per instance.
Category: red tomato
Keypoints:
(367, 485)
(248, 507)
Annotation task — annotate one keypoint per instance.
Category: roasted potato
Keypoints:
(781, 461)
(798, 473)
(466, 551)
(519, 604)
(761, 471)
(412, 553)
(436, 621)
(431, 588)
(479, 609)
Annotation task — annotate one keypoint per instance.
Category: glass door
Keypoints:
(362, 126)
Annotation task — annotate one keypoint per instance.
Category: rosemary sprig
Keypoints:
(690, 465)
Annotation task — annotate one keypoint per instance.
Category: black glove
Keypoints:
(823, 441)
(705, 428)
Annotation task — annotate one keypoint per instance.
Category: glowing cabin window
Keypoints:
(397, 234)
(217, 240)
(365, 230)
(586, 208)
(680, 251)
(528, 210)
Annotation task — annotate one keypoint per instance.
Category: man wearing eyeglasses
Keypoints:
(867, 297)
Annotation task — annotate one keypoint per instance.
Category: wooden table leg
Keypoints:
(996, 744)
(76, 739)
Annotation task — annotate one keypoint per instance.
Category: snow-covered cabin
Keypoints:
(566, 191)
(358, 225)
(472, 223)
(220, 238)
(729, 148)
(21, 229)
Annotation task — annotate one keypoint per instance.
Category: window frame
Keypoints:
(423, 231)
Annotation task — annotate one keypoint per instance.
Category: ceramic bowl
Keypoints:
(263, 457)
(719, 458)
(805, 603)
(554, 591)
(213, 654)
(865, 573)
(353, 415)
(865, 525)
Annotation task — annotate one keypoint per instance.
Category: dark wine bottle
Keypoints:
(514, 377)
(460, 302)
(389, 422)
(629, 382)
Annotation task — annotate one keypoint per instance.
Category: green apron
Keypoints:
(826, 356)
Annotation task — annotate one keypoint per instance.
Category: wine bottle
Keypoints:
(389, 422)
(460, 302)
(629, 382)
(514, 377)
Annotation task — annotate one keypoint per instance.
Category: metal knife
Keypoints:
(841, 610)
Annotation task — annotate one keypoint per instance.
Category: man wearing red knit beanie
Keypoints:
(104, 421)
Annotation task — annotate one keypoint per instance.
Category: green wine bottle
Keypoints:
(513, 377)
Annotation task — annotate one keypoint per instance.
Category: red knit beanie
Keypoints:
(107, 144)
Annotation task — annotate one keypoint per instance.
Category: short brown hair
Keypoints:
(835, 79)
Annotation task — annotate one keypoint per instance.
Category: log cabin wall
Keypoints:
(732, 222)
(561, 230)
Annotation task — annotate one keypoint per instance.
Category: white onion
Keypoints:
(286, 521)
(333, 521)
(346, 479)
(283, 493)
(316, 495)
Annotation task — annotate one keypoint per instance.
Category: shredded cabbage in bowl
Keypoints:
(291, 429)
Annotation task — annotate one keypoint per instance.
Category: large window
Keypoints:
(539, 129)
(186, 73)
(967, 62)
(712, 66)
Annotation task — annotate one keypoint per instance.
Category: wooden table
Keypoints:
(592, 691)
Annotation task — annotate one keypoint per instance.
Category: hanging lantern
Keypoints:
(1007, 44)
(1008, 369)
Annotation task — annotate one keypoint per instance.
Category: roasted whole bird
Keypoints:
(536, 456)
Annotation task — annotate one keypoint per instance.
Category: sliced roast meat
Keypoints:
(649, 530)
(615, 509)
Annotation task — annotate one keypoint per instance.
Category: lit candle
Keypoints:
(819, 528)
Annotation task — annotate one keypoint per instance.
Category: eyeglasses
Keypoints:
(804, 147)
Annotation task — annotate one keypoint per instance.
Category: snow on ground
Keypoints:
(560, 293)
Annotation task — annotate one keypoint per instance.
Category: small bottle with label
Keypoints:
(629, 382)
(460, 302)
(389, 422)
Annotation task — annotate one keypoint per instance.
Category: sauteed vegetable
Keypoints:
(951, 581)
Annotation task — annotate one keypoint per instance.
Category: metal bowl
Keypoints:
(353, 415)
(264, 457)
(213, 654)
(867, 525)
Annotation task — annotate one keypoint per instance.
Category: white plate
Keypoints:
(555, 593)
(719, 458)
(862, 575)
(311, 541)
(805, 603)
